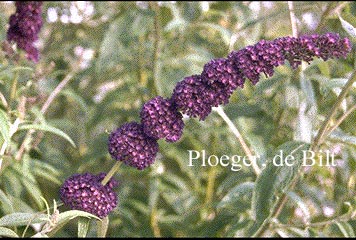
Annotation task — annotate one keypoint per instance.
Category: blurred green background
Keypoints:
(122, 54)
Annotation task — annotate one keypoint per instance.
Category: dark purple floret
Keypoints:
(306, 47)
(161, 119)
(260, 58)
(193, 97)
(85, 192)
(222, 71)
(25, 25)
(265, 55)
(131, 145)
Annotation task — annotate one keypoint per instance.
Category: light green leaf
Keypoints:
(340, 136)
(48, 129)
(275, 180)
(346, 229)
(33, 189)
(301, 204)
(22, 69)
(5, 202)
(224, 33)
(236, 194)
(83, 227)
(22, 219)
(4, 126)
(65, 217)
(76, 97)
(103, 227)
(6, 232)
(351, 30)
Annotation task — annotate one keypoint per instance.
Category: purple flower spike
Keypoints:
(161, 119)
(85, 192)
(260, 58)
(221, 71)
(25, 24)
(131, 145)
(193, 97)
(265, 55)
(304, 48)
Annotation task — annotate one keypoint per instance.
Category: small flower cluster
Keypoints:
(85, 192)
(136, 144)
(25, 24)
(130, 144)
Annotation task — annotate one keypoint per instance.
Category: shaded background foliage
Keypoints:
(122, 54)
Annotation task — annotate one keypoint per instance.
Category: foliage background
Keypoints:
(122, 54)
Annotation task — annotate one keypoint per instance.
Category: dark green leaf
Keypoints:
(22, 219)
(47, 128)
(275, 180)
(6, 232)
(236, 193)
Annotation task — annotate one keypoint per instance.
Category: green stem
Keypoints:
(154, 223)
(14, 87)
(323, 130)
(157, 48)
(111, 173)
(293, 19)
(238, 135)
(341, 119)
(211, 178)
(44, 109)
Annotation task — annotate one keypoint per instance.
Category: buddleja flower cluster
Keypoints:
(136, 143)
(85, 192)
(25, 24)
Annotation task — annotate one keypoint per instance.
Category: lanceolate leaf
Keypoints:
(22, 219)
(4, 126)
(6, 232)
(65, 217)
(83, 227)
(47, 128)
(275, 180)
(236, 194)
(103, 226)
(351, 30)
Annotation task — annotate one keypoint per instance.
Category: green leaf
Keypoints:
(48, 129)
(20, 68)
(275, 180)
(22, 219)
(351, 30)
(77, 98)
(33, 189)
(236, 194)
(4, 126)
(65, 217)
(103, 227)
(6, 204)
(224, 33)
(346, 229)
(6, 232)
(301, 204)
(340, 136)
(83, 227)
